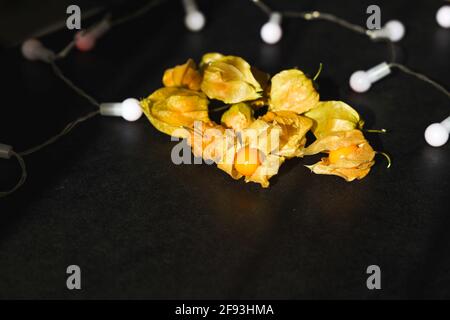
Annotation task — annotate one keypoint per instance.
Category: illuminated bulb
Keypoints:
(393, 30)
(34, 50)
(130, 109)
(361, 81)
(436, 134)
(443, 16)
(85, 40)
(5, 151)
(271, 31)
(194, 19)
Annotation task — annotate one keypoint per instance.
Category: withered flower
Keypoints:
(170, 109)
(229, 79)
(183, 76)
(292, 91)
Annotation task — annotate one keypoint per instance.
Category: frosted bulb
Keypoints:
(34, 50)
(194, 20)
(394, 30)
(271, 31)
(361, 81)
(443, 16)
(437, 134)
(130, 109)
(85, 40)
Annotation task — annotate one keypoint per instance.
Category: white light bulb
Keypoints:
(394, 30)
(443, 16)
(361, 81)
(130, 109)
(85, 40)
(194, 19)
(271, 31)
(34, 50)
(437, 134)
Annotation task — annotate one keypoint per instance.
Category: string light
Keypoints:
(129, 109)
(194, 19)
(34, 50)
(393, 30)
(85, 40)
(361, 81)
(271, 31)
(443, 16)
(437, 134)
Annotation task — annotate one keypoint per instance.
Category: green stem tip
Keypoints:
(318, 72)
(376, 130)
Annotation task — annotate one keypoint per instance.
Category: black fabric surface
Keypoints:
(108, 198)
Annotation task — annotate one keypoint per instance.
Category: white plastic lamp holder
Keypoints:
(194, 19)
(85, 40)
(34, 50)
(361, 81)
(130, 109)
(394, 30)
(5, 151)
(443, 16)
(271, 31)
(436, 134)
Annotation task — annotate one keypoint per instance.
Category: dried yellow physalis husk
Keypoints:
(293, 129)
(207, 58)
(170, 109)
(333, 116)
(238, 117)
(350, 155)
(230, 79)
(185, 75)
(293, 91)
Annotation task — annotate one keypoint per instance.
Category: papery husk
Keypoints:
(333, 116)
(171, 109)
(229, 79)
(355, 165)
(238, 117)
(292, 90)
(293, 129)
(183, 76)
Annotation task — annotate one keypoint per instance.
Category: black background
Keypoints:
(108, 198)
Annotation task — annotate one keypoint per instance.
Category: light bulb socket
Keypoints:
(378, 72)
(111, 109)
(276, 18)
(446, 124)
(190, 6)
(5, 151)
